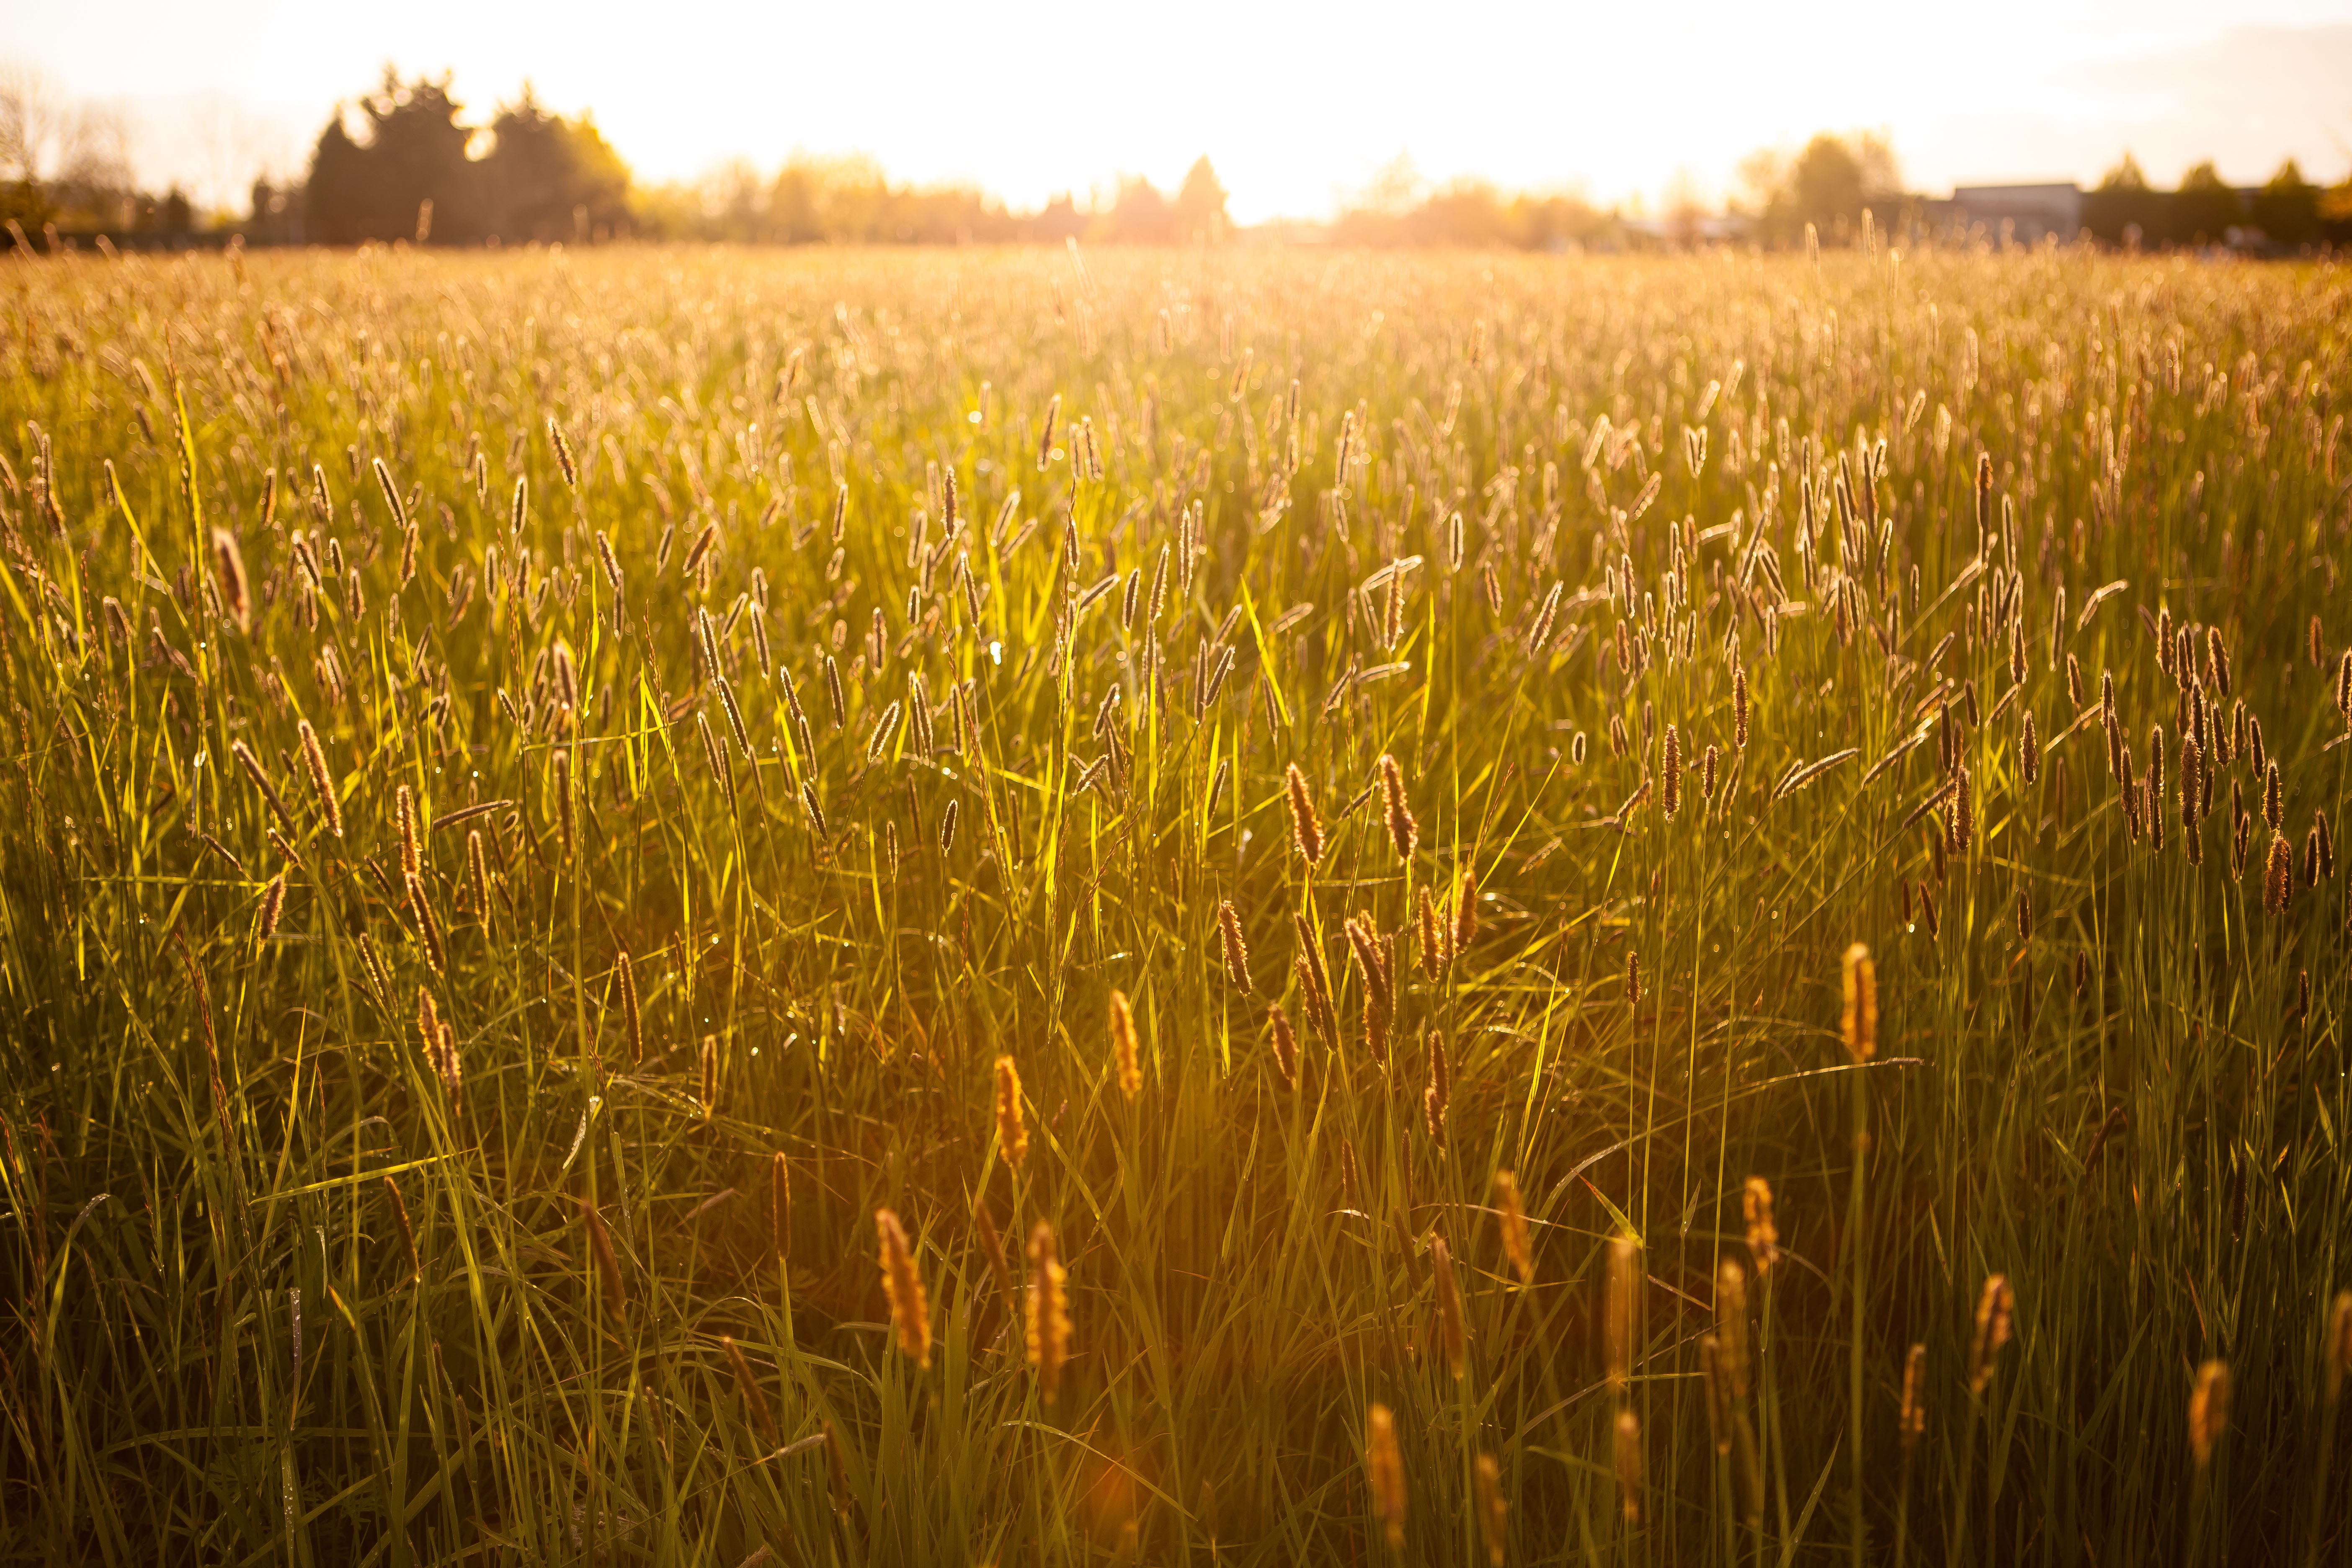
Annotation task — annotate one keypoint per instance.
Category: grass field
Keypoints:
(655, 908)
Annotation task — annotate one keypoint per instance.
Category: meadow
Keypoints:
(706, 907)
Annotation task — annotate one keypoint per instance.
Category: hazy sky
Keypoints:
(1293, 103)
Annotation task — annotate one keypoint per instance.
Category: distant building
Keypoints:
(2015, 214)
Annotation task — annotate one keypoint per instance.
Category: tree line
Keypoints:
(402, 164)
(416, 171)
(2288, 211)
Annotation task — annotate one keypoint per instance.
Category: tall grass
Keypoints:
(656, 909)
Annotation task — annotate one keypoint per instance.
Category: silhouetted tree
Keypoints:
(2336, 213)
(550, 178)
(278, 215)
(2287, 210)
(2205, 208)
(415, 152)
(1058, 220)
(794, 213)
(2121, 209)
(1140, 214)
(1470, 213)
(1827, 185)
(1201, 204)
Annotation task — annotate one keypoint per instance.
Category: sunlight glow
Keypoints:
(1297, 105)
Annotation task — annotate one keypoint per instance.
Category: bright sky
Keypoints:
(1293, 103)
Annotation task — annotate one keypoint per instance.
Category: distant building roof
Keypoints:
(2019, 213)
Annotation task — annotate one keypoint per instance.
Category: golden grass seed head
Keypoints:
(910, 1306)
(1384, 1473)
(1911, 1418)
(1739, 710)
(2209, 1411)
(563, 460)
(1452, 1336)
(1859, 1025)
(1627, 1452)
(404, 815)
(625, 979)
(407, 1231)
(1763, 1235)
(229, 576)
(1045, 431)
(748, 1386)
(1306, 827)
(608, 1264)
(780, 1206)
(2278, 876)
(1718, 1392)
(1439, 1093)
(1623, 1325)
(2337, 1353)
(1964, 818)
(2217, 661)
(1012, 1131)
(1465, 913)
(1431, 932)
(1670, 793)
(1046, 1320)
(1236, 951)
(477, 875)
(273, 908)
(322, 782)
(1286, 1046)
(1996, 1306)
(561, 781)
(1731, 1323)
(1494, 1512)
(1124, 1053)
(1514, 1224)
(1403, 832)
(428, 924)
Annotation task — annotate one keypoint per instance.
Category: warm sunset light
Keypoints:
(1216, 787)
(1297, 105)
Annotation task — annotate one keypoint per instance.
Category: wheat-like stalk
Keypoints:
(1860, 1023)
(910, 1307)
(1513, 1214)
(1404, 833)
(1306, 827)
(1628, 1455)
(1493, 1511)
(1124, 1054)
(1384, 1471)
(1012, 1131)
(1995, 1305)
(1622, 1322)
(755, 1400)
(322, 782)
(1235, 952)
(1047, 1320)
(1763, 1235)
(2209, 1411)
